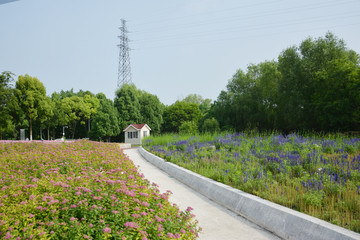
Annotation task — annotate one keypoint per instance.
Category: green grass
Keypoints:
(318, 174)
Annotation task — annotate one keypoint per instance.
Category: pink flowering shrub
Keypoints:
(82, 190)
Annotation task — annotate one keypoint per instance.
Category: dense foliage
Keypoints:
(315, 86)
(317, 175)
(136, 106)
(311, 87)
(82, 190)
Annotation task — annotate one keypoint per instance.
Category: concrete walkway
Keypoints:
(216, 221)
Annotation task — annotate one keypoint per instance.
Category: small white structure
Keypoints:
(134, 133)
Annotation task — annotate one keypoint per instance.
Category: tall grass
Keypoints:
(318, 174)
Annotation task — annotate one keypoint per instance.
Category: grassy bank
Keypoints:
(315, 174)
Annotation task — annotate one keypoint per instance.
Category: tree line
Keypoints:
(314, 86)
(311, 87)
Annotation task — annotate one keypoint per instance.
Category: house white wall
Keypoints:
(131, 138)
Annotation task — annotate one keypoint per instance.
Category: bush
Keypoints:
(188, 127)
(82, 190)
(211, 126)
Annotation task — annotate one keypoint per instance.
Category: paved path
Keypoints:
(217, 222)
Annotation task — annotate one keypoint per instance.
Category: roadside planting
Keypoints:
(83, 190)
(314, 174)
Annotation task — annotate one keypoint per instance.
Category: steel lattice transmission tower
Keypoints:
(124, 71)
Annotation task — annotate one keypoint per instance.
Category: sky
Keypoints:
(179, 47)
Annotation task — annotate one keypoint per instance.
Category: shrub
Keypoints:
(82, 190)
(188, 127)
(211, 126)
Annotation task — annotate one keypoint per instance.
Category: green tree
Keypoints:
(128, 105)
(7, 102)
(291, 99)
(188, 127)
(250, 100)
(78, 109)
(48, 109)
(31, 95)
(204, 104)
(211, 126)
(151, 110)
(318, 88)
(179, 112)
(105, 123)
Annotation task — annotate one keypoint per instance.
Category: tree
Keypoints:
(318, 88)
(188, 127)
(211, 126)
(47, 109)
(250, 100)
(78, 109)
(8, 104)
(137, 106)
(179, 112)
(31, 95)
(204, 104)
(128, 105)
(151, 110)
(105, 123)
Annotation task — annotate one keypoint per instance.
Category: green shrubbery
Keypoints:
(82, 190)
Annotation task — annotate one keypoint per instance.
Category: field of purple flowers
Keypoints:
(82, 190)
(316, 175)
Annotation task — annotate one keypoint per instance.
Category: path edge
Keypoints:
(283, 222)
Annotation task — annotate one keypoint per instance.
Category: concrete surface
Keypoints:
(217, 222)
(125, 145)
(282, 221)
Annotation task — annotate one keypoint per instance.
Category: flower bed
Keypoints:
(82, 190)
(315, 175)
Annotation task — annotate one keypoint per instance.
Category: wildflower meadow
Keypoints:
(83, 190)
(317, 175)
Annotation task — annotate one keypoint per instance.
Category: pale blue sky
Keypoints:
(179, 46)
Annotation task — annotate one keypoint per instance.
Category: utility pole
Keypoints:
(124, 70)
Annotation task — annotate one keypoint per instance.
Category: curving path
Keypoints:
(216, 221)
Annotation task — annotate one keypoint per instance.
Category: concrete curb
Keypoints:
(282, 221)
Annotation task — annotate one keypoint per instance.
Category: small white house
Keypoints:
(134, 133)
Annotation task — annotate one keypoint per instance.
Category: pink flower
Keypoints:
(73, 219)
(189, 209)
(170, 235)
(73, 206)
(78, 193)
(8, 235)
(131, 225)
(107, 230)
(53, 201)
(91, 225)
(146, 204)
(115, 212)
(31, 215)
